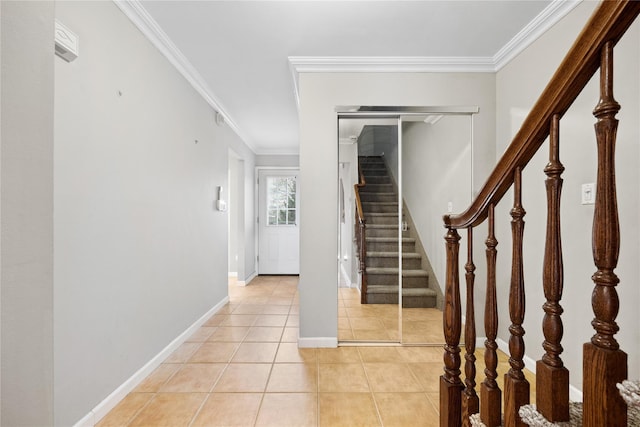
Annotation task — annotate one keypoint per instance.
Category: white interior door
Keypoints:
(279, 233)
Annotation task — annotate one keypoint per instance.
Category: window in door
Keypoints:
(281, 200)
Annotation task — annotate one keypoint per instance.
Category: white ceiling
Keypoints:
(243, 56)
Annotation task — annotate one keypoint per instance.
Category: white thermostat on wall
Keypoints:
(66, 43)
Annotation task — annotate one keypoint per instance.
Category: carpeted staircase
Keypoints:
(380, 206)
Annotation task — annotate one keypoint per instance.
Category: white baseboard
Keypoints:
(250, 278)
(318, 342)
(246, 281)
(103, 408)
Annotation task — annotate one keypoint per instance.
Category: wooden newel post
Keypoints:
(604, 363)
(450, 384)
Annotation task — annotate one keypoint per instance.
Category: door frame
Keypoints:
(401, 114)
(256, 204)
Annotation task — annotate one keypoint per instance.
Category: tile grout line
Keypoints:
(373, 397)
(136, 413)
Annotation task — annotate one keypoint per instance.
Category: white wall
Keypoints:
(518, 86)
(26, 198)
(348, 174)
(436, 169)
(319, 95)
(140, 250)
(231, 196)
(278, 160)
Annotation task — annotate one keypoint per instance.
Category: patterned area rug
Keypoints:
(629, 390)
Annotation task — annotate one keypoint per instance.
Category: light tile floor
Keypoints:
(243, 368)
(379, 322)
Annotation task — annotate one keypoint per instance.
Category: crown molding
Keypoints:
(139, 16)
(546, 19)
(385, 64)
(390, 64)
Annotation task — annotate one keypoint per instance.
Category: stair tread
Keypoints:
(390, 239)
(381, 214)
(391, 270)
(393, 254)
(389, 289)
(383, 226)
(379, 203)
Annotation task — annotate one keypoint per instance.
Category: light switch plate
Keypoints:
(589, 194)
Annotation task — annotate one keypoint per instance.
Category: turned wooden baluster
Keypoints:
(490, 394)
(552, 377)
(356, 225)
(604, 363)
(470, 404)
(516, 386)
(450, 384)
(363, 262)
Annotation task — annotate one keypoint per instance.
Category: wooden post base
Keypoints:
(490, 406)
(552, 392)
(602, 370)
(450, 403)
(516, 394)
(470, 406)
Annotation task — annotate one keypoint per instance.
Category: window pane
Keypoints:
(282, 217)
(281, 200)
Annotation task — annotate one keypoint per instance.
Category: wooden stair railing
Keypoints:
(361, 228)
(605, 363)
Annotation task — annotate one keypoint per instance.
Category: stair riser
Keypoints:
(381, 219)
(378, 197)
(370, 159)
(407, 302)
(377, 180)
(419, 302)
(389, 262)
(376, 208)
(385, 232)
(390, 246)
(376, 188)
(392, 279)
(374, 172)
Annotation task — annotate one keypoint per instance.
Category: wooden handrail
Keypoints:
(607, 24)
(362, 182)
(361, 241)
(604, 362)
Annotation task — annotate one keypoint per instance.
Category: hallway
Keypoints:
(244, 368)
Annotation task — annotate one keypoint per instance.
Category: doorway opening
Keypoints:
(235, 216)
